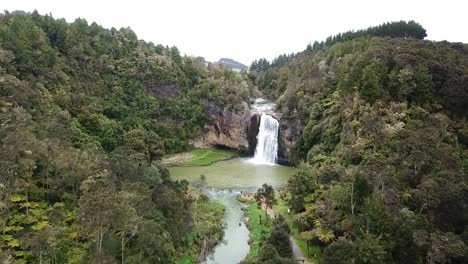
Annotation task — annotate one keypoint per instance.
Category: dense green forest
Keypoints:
(85, 114)
(400, 29)
(383, 153)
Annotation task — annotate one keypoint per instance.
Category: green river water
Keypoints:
(225, 180)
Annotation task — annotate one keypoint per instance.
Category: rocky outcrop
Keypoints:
(228, 129)
(289, 133)
(239, 131)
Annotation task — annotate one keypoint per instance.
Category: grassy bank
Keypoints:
(202, 157)
(209, 226)
(282, 208)
(258, 229)
(199, 157)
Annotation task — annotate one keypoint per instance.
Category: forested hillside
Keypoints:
(383, 151)
(85, 114)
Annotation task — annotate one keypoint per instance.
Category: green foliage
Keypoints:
(397, 29)
(186, 260)
(378, 126)
(259, 227)
(269, 240)
(341, 251)
(208, 230)
(266, 195)
(279, 238)
(372, 80)
(86, 113)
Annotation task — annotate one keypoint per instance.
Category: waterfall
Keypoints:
(266, 151)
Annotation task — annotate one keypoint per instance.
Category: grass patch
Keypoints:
(281, 207)
(258, 231)
(186, 260)
(202, 157)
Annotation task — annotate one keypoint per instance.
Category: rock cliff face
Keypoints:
(289, 133)
(239, 131)
(227, 131)
(252, 131)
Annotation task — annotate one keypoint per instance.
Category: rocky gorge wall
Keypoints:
(227, 131)
(238, 131)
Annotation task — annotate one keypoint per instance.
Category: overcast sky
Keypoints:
(245, 30)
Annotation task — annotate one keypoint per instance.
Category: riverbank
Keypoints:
(258, 227)
(222, 182)
(208, 229)
(198, 157)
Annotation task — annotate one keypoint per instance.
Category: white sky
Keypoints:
(245, 30)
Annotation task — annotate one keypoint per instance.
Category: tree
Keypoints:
(279, 237)
(455, 95)
(370, 250)
(372, 80)
(441, 247)
(301, 183)
(266, 196)
(342, 251)
(98, 207)
(127, 223)
(155, 243)
(29, 44)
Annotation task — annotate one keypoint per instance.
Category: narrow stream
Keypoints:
(226, 179)
(233, 247)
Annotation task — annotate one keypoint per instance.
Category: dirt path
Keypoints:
(297, 251)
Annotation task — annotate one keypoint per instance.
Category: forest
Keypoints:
(383, 153)
(85, 115)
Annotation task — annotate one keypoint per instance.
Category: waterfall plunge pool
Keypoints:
(223, 181)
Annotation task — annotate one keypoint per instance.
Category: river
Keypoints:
(225, 179)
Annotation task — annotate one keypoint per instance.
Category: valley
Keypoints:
(114, 149)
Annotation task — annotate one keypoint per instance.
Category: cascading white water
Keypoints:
(266, 151)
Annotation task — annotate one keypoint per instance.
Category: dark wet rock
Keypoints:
(252, 131)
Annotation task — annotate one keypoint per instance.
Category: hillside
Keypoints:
(378, 128)
(375, 121)
(233, 64)
(85, 115)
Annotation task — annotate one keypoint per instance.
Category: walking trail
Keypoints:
(295, 247)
